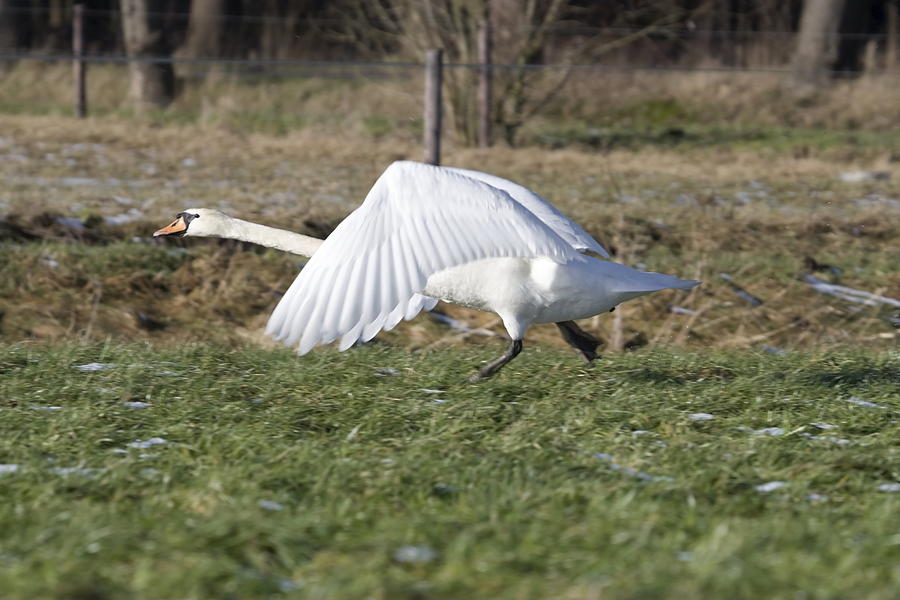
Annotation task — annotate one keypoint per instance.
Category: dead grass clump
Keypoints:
(78, 260)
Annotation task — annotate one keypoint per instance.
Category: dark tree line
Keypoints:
(817, 37)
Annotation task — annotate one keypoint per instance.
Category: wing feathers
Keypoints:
(546, 212)
(415, 221)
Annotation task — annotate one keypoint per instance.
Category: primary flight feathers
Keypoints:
(415, 221)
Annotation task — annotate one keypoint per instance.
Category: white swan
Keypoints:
(425, 233)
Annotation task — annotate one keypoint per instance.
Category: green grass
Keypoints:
(497, 492)
(685, 133)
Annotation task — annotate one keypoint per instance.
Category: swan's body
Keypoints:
(429, 233)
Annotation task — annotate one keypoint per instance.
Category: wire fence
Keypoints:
(252, 63)
(664, 54)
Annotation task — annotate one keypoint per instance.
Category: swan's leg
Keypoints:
(492, 367)
(583, 342)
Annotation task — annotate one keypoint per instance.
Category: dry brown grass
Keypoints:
(756, 98)
(386, 103)
(694, 212)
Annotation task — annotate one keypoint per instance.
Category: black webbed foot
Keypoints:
(583, 342)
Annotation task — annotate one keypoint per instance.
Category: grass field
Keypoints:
(205, 472)
(737, 441)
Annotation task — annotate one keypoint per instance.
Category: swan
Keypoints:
(426, 233)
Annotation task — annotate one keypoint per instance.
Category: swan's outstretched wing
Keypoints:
(564, 227)
(415, 221)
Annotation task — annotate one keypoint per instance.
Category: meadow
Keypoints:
(739, 440)
(131, 470)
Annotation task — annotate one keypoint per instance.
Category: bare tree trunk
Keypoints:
(856, 25)
(893, 27)
(817, 44)
(152, 84)
(205, 29)
(10, 26)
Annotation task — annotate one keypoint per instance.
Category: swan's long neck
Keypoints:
(271, 237)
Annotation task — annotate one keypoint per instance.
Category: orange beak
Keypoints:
(178, 226)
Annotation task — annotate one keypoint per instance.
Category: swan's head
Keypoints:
(198, 222)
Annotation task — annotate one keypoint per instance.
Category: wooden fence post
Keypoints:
(485, 80)
(78, 64)
(434, 63)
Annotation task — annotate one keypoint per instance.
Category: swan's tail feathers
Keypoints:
(645, 283)
(685, 284)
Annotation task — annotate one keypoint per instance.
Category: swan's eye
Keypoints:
(188, 217)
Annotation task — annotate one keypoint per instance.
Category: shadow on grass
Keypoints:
(856, 374)
(656, 376)
(670, 377)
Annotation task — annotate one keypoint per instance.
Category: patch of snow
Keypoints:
(860, 176)
(270, 505)
(136, 404)
(8, 468)
(80, 182)
(119, 451)
(386, 371)
(46, 408)
(773, 431)
(701, 417)
(123, 218)
(66, 471)
(772, 350)
(444, 488)
(95, 366)
(50, 262)
(459, 325)
(860, 402)
(847, 293)
(430, 391)
(739, 291)
(889, 487)
(628, 470)
(816, 498)
(414, 554)
(148, 443)
(771, 486)
(825, 426)
(826, 438)
(70, 222)
(678, 310)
